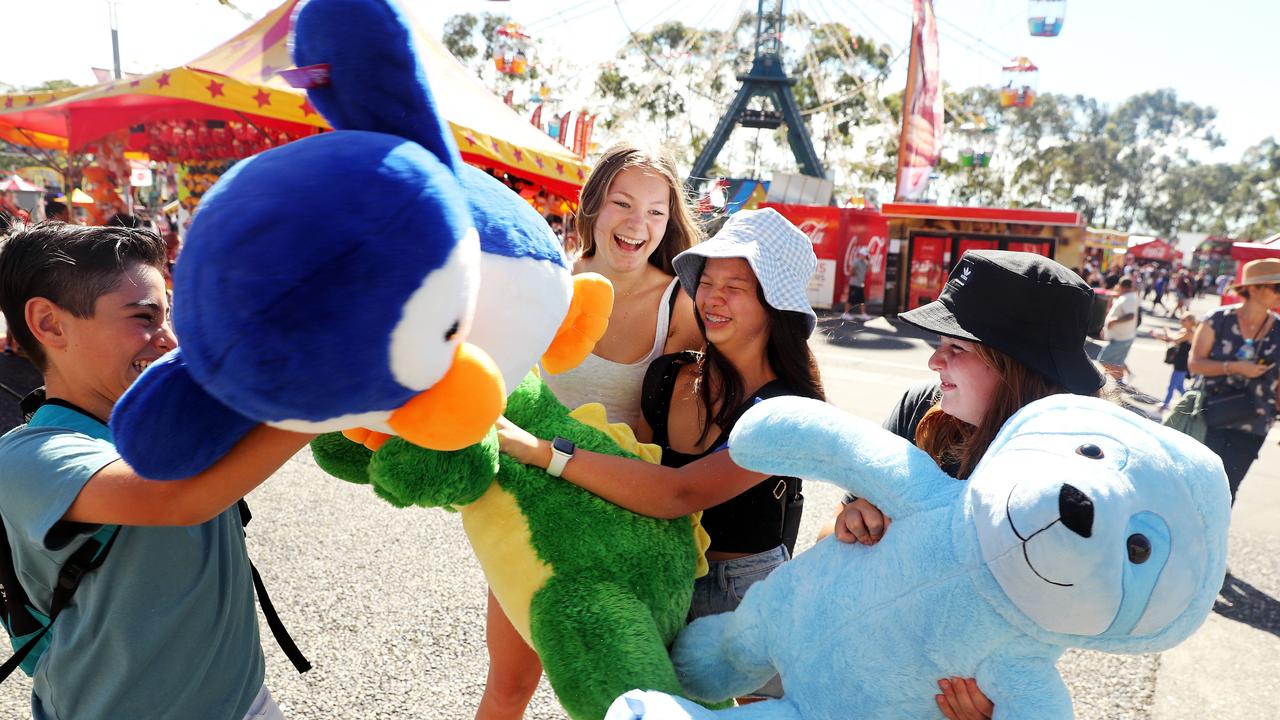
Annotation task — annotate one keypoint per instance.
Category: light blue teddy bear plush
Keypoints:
(1083, 526)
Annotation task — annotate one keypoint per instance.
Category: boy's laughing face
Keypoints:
(129, 330)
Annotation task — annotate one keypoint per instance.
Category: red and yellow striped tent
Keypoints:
(238, 81)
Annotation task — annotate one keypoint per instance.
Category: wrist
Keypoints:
(540, 454)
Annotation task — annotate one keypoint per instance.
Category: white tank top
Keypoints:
(612, 384)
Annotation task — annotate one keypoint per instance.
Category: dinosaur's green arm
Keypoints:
(342, 458)
(404, 474)
(533, 406)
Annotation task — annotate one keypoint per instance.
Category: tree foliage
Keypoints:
(1139, 165)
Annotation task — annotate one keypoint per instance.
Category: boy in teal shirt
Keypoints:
(166, 626)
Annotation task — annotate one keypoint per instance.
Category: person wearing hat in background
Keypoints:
(1236, 349)
(857, 280)
(748, 286)
(1012, 329)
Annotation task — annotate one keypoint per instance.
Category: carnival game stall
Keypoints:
(926, 241)
(1243, 252)
(245, 96)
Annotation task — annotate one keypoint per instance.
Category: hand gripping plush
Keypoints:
(1083, 526)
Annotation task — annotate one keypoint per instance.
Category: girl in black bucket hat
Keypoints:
(1012, 327)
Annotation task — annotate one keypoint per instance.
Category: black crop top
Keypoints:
(752, 521)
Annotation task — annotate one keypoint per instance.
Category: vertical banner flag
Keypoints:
(536, 119)
(563, 135)
(580, 134)
(921, 140)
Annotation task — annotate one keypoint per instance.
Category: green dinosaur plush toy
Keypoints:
(598, 591)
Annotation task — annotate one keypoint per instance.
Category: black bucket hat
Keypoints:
(1022, 304)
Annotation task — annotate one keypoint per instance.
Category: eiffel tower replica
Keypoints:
(767, 79)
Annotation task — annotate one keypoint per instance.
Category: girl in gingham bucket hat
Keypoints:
(779, 254)
(748, 286)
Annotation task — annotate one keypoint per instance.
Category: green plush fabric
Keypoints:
(342, 458)
(621, 583)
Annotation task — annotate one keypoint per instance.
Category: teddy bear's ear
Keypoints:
(364, 73)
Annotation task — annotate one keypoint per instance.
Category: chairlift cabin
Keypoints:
(1018, 83)
(977, 144)
(1044, 17)
(511, 49)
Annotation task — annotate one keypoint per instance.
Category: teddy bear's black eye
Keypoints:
(451, 332)
(1139, 548)
(1091, 451)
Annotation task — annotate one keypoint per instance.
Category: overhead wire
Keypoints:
(552, 19)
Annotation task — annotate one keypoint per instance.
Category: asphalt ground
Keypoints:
(389, 604)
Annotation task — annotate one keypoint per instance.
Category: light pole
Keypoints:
(115, 38)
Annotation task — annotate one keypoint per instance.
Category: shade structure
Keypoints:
(238, 81)
(17, 184)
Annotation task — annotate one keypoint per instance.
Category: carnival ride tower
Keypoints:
(767, 79)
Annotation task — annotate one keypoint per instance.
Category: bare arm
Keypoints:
(638, 486)
(1200, 364)
(683, 332)
(117, 495)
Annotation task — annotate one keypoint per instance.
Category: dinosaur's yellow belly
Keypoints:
(502, 543)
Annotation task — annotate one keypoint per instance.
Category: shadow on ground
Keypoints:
(1245, 603)
(851, 333)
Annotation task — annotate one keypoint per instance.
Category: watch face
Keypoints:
(562, 445)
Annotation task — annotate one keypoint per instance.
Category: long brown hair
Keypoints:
(789, 356)
(682, 230)
(948, 439)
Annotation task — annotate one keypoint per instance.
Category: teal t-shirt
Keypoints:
(166, 627)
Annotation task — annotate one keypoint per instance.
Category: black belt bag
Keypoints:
(1229, 407)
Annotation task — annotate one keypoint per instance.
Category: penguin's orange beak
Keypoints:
(459, 409)
(583, 325)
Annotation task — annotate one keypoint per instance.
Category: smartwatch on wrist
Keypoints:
(561, 451)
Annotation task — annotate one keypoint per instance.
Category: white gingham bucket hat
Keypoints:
(779, 254)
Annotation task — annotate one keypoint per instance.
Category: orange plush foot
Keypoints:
(371, 439)
(584, 324)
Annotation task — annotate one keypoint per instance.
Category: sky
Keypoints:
(1220, 54)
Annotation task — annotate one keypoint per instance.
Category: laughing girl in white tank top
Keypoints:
(632, 221)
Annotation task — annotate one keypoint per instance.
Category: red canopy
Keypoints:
(1157, 249)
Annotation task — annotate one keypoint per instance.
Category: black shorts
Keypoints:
(856, 296)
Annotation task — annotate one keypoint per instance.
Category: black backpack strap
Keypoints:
(278, 630)
(87, 558)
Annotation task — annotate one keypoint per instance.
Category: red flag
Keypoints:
(921, 139)
(537, 116)
(508, 98)
(564, 128)
(579, 135)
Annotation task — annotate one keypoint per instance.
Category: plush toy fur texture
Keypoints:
(612, 588)
(1084, 525)
(320, 279)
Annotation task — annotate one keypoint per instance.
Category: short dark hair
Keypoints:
(70, 265)
(1126, 282)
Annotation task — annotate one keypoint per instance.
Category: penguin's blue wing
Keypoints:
(376, 81)
(168, 428)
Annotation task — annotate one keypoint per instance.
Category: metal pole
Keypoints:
(115, 38)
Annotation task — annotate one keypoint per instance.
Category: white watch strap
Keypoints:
(558, 461)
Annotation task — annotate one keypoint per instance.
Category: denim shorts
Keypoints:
(1115, 352)
(724, 585)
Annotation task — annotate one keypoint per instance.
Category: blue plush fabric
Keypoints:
(324, 283)
(1083, 526)
(508, 225)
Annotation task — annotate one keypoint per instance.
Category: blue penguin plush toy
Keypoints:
(1084, 525)
(331, 283)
